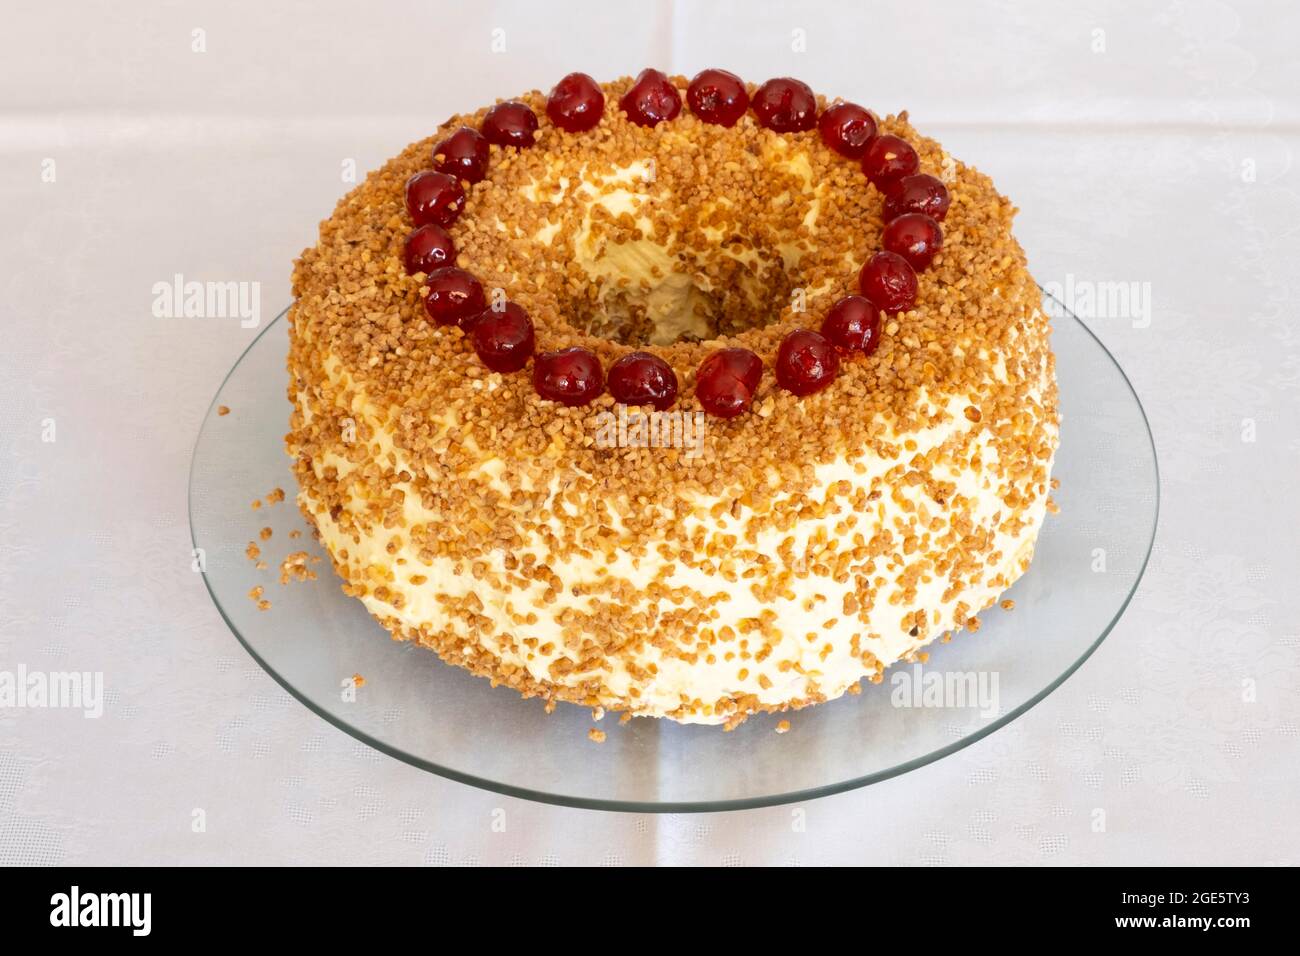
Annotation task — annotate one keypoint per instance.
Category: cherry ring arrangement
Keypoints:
(806, 362)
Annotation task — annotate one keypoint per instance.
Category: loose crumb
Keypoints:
(265, 533)
(264, 605)
(275, 496)
(597, 735)
(294, 567)
(252, 552)
(1008, 605)
(257, 503)
(783, 727)
(358, 680)
(223, 410)
(295, 534)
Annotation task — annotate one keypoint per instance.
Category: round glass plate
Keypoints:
(412, 706)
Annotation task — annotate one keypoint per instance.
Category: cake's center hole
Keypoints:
(657, 293)
(689, 241)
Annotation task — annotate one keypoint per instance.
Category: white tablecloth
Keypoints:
(1150, 144)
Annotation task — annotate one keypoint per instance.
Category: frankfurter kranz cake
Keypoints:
(831, 308)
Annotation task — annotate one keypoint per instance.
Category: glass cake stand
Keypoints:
(1089, 560)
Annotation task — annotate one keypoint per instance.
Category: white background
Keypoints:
(1161, 150)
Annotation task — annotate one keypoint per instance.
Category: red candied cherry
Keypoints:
(718, 97)
(510, 124)
(434, 197)
(915, 237)
(726, 381)
(427, 248)
(786, 105)
(463, 154)
(454, 296)
(921, 193)
(889, 282)
(651, 100)
(888, 159)
(853, 325)
(503, 340)
(806, 362)
(571, 376)
(640, 378)
(847, 128)
(576, 103)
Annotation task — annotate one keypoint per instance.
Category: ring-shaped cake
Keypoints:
(686, 400)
